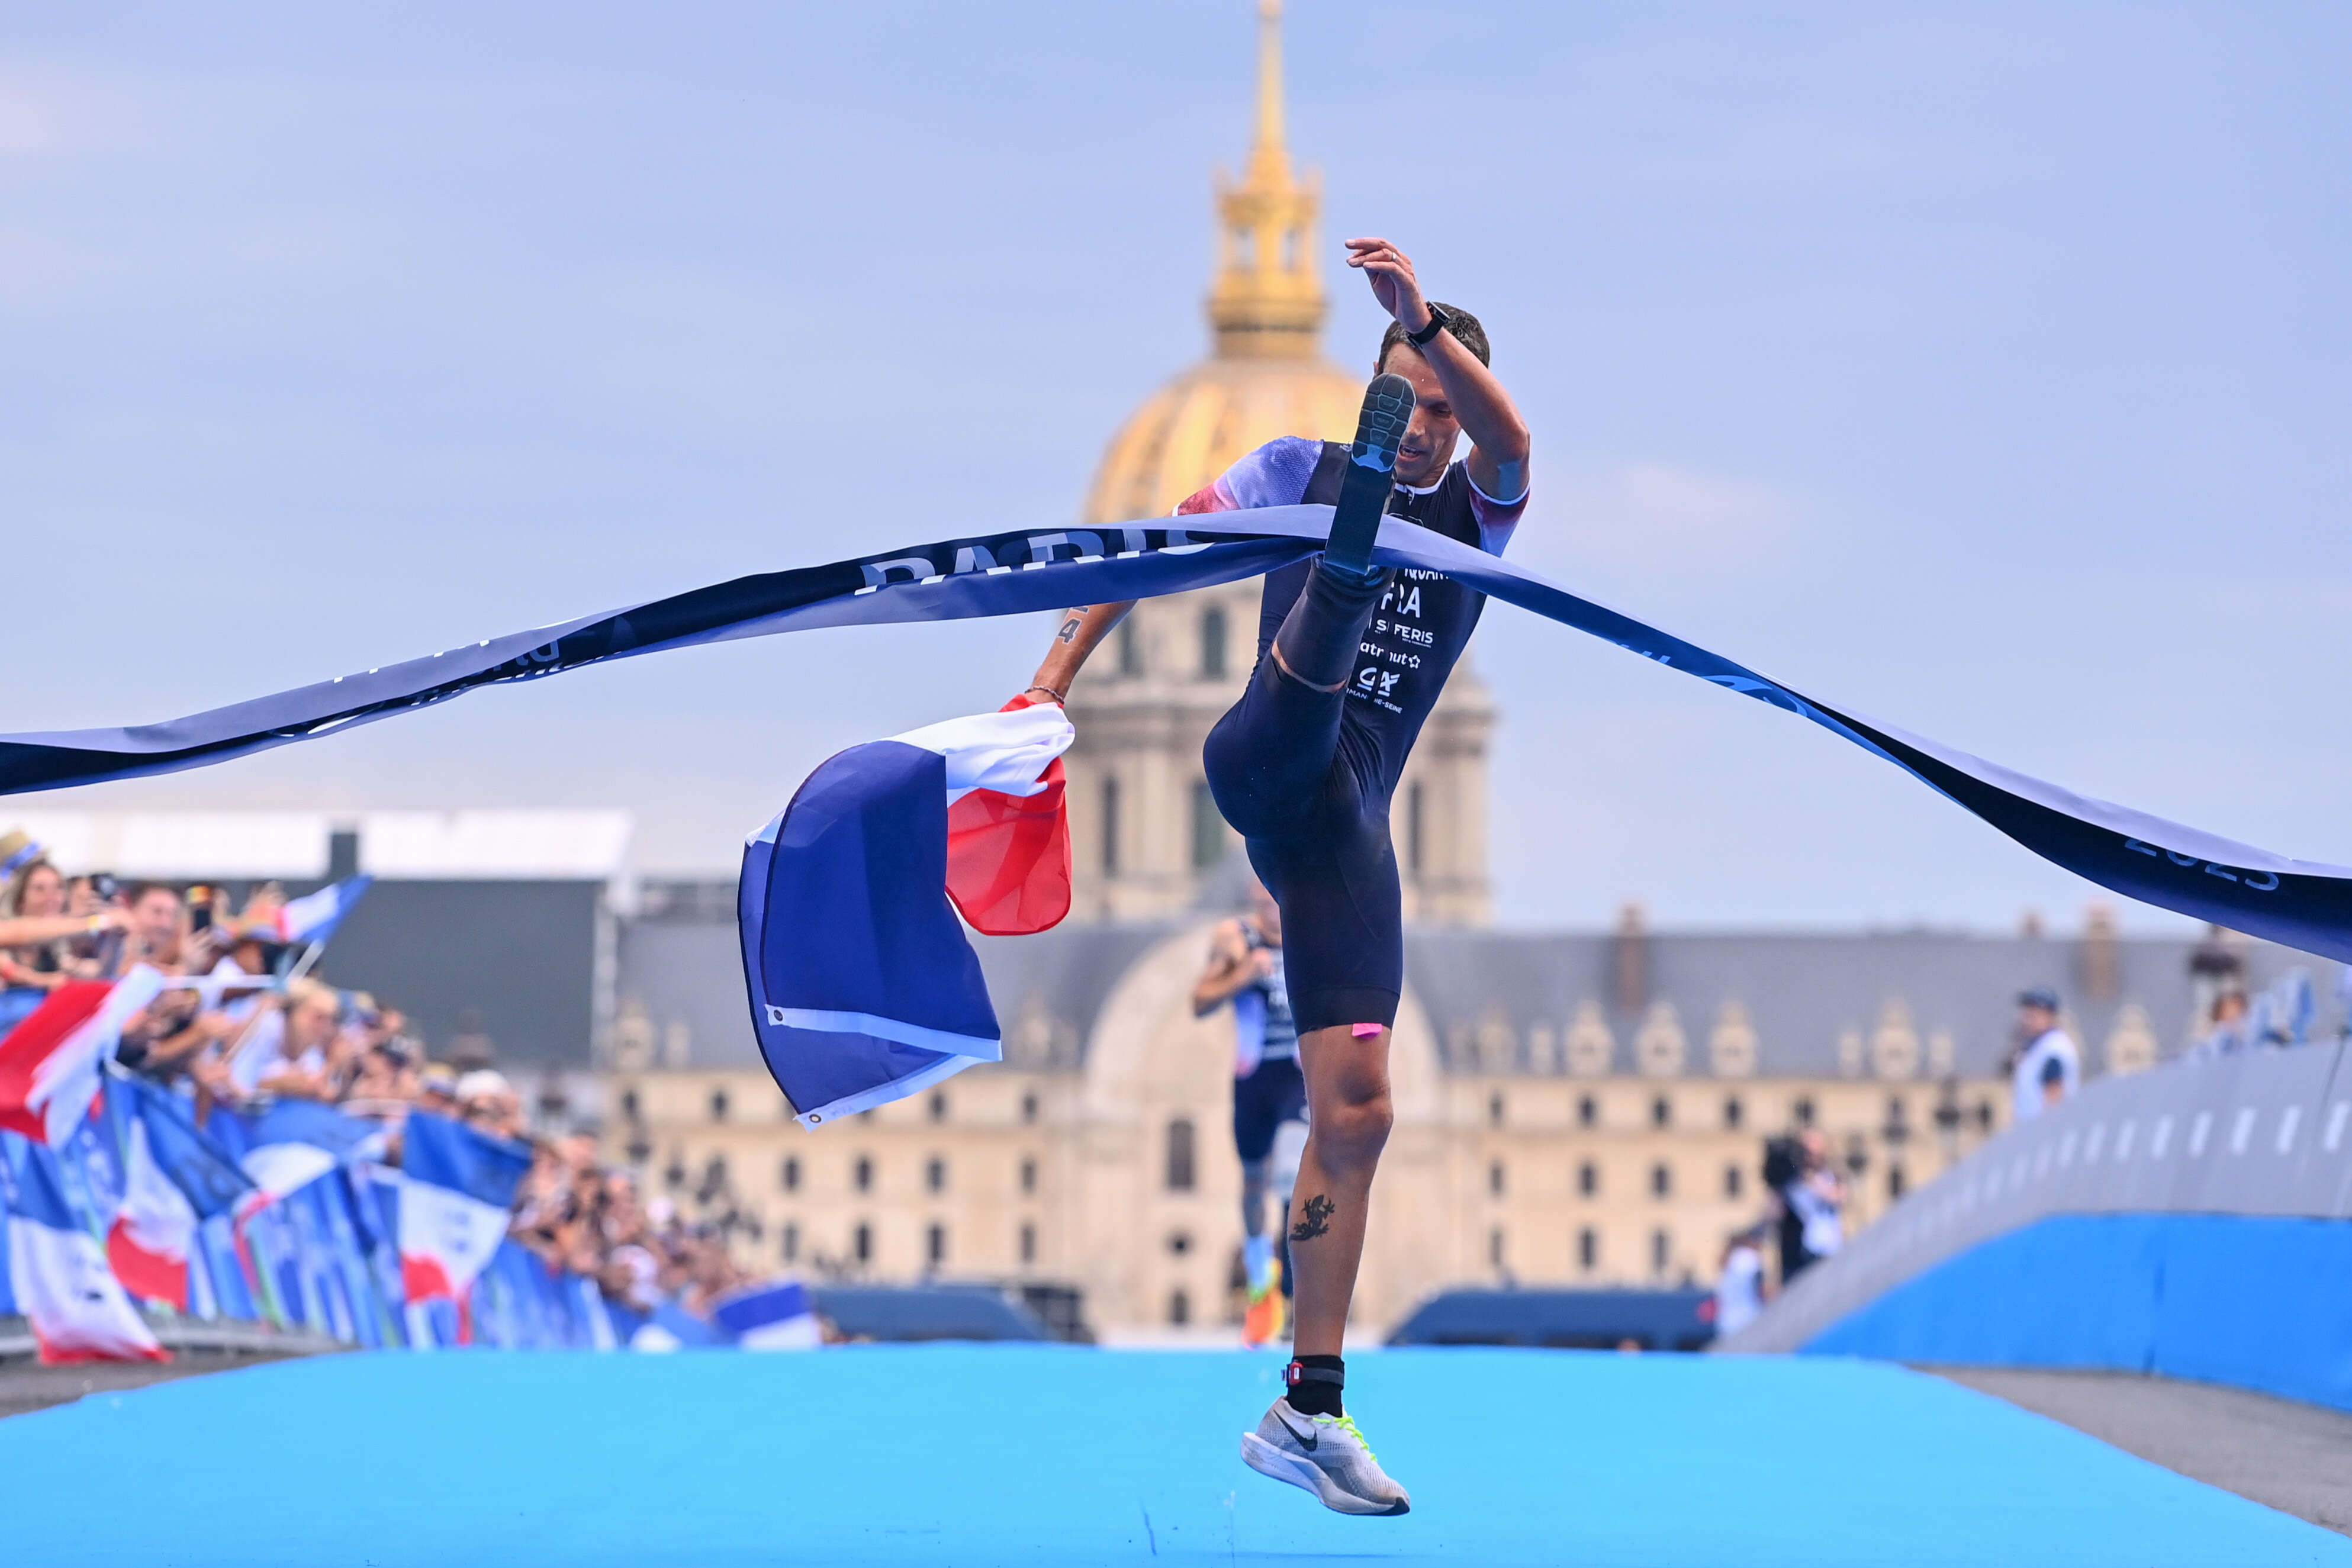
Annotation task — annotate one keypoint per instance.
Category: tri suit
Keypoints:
(1306, 775)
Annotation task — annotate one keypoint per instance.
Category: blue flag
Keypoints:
(206, 1174)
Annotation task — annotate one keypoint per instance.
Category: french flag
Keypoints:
(294, 1144)
(173, 1179)
(864, 988)
(312, 918)
(457, 1189)
(78, 1308)
(776, 1316)
(49, 1062)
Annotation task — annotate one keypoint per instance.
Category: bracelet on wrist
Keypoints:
(1058, 697)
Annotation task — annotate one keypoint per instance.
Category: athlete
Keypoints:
(1350, 661)
(1269, 1094)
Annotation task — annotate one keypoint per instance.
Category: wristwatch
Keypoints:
(1437, 322)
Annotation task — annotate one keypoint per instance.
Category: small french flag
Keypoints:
(314, 917)
(49, 1062)
(773, 1316)
(78, 1308)
(457, 1188)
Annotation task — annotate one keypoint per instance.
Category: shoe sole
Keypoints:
(1275, 1465)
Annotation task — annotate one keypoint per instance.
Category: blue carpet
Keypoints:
(971, 1454)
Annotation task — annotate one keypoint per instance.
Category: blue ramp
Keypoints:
(979, 1455)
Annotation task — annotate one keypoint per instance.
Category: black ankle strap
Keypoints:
(1294, 1375)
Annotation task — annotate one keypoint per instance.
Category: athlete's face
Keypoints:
(1430, 439)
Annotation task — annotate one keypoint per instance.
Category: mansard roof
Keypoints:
(1825, 1005)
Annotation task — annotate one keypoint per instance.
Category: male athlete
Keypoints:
(1350, 661)
(1269, 1094)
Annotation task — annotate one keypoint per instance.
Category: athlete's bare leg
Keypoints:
(1348, 1120)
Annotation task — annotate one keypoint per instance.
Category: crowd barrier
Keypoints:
(2190, 1220)
(325, 1257)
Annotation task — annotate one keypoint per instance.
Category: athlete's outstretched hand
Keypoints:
(1393, 283)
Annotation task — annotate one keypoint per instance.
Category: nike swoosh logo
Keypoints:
(1305, 1438)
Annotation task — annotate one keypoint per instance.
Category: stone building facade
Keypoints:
(1571, 1109)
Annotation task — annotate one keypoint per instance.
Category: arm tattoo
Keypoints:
(1069, 632)
(1317, 1221)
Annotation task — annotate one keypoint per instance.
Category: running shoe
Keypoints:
(1324, 1455)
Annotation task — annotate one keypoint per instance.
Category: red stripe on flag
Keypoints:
(31, 1043)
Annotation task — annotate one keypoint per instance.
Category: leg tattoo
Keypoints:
(1319, 1210)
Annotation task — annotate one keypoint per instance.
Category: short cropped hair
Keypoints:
(1460, 322)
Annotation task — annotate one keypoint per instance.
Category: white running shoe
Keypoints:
(1324, 1455)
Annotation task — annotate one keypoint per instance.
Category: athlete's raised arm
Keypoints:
(1075, 635)
(1474, 397)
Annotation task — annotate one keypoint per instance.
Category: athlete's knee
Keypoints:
(1351, 1125)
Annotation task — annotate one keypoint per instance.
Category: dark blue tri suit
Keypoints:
(1304, 776)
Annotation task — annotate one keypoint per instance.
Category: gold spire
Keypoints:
(1268, 302)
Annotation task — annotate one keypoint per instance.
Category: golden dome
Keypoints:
(1267, 376)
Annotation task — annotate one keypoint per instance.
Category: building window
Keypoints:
(935, 1245)
(861, 1174)
(1588, 1249)
(1110, 827)
(1029, 1108)
(935, 1174)
(861, 1243)
(629, 1104)
(1733, 1112)
(1896, 1182)
(1028, 1175)
(1413, 839)
(1662, 1112)
(1588, 1180)
(1495, 1248)
(1179, 1154)
(1662, 1180)
(791, 1173)
(1180, 1308)
(1028, 1244)
(719, 1104)
(1494, 1178)
(1494, 1110)
(1661, 1250)
(789, 1244)
(939, 1105)
(1130, 648)
(1179, 1242)
(1208, 828)
(1735, 1181)
(1588, 1112)
(1803, 1111)
(1213, 643)
(714, 1179)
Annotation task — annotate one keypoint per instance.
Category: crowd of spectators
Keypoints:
(259, 1029)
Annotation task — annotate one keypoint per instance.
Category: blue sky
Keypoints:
(1982, 367)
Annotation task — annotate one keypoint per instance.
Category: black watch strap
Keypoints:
(1437, 320)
